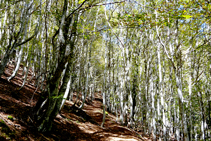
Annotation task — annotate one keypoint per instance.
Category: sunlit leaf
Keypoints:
(187, 16)
(80, 1)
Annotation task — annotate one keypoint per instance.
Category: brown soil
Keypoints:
(72, 124)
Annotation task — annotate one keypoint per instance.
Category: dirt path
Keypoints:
(111, 131)
(71, 124)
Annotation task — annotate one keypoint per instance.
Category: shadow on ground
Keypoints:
(72, 124)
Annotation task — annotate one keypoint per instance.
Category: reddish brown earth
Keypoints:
(71, 124)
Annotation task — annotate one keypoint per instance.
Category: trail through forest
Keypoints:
(149, 61)
(71, 124)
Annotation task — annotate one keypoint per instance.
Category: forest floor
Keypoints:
(72, 124)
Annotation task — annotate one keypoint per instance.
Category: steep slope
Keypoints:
(71, 124)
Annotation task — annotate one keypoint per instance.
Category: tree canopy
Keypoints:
(151, 60)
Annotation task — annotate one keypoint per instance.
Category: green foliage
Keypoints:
(10, 117)
(57, 97)
(2, 122)
(125, 51)
(5, 131)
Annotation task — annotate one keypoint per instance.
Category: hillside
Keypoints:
(71, 124)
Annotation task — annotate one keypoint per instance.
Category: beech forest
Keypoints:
(149, 61)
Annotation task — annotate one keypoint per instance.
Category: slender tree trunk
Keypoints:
(161, 95)
(18, 40)
(104, 101)
(55, 95)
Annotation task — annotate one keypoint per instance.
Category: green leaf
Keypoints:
(10, 117)
(186, 16)
(56, 27)
(80, 1)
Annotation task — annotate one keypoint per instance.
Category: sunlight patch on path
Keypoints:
(88, 128)
(120, 139)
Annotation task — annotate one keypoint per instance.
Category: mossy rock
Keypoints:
(6, 132)
(5, 128)
(2, 123)
(1, 120)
